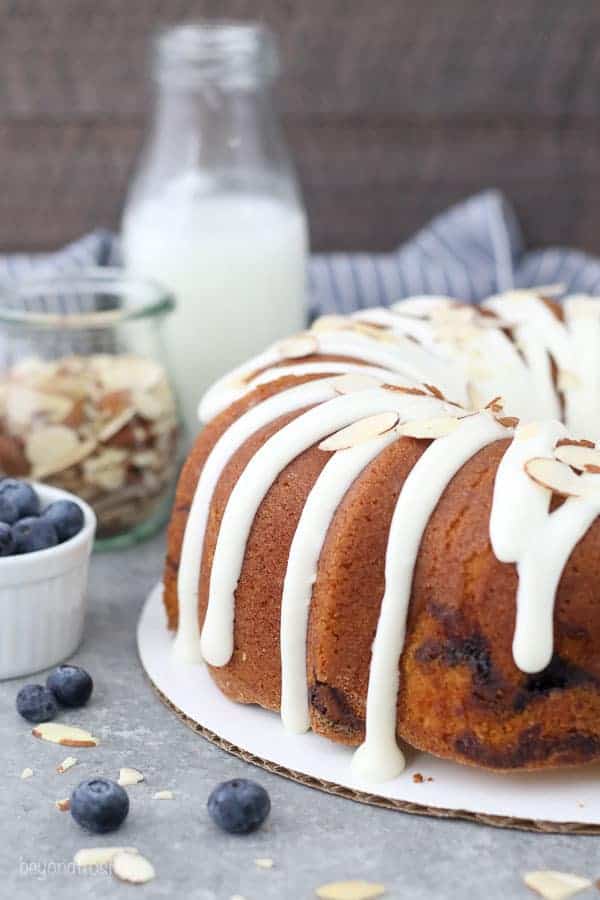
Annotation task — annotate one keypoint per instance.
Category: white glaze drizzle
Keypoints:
(379, 758)
(524, 532)
(319, 509)
(248, 493)
(187, 641)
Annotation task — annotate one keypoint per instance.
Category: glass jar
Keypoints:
(86, 402)
(214, 212)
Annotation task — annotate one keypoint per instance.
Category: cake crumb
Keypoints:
(418, 778)
(26, 773)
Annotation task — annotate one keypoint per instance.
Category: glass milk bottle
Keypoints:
(214, 212)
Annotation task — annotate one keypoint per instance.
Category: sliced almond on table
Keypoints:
(264, 863)
(67, 735)
(555, 476)
(436, 427)
(132, 867)
(298, 346)
(553, 885)
(26, 773)
(163, 795)
(66, 764)
(99, 856)
(358, 432)
(349, 384)
(577, 457)
(63, 805)
(350, 890)
(129, 776)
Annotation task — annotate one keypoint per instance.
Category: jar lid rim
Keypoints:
(146, 298)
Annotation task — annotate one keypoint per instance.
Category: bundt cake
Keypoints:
(388, 530)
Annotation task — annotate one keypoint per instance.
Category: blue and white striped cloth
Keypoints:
(472, 250)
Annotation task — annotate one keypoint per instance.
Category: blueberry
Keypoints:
(9, 511)
(71, 685)
(7, 541)
(22, 495)
(239, 806)
(99, 805)
(36, 703)
(33, 534)
(67, 518)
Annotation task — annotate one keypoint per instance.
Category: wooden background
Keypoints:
(394, 109)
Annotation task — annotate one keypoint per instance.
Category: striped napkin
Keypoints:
(471, 250)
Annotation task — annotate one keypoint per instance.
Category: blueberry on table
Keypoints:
(99, 805)
(9, 511)
(71, 685)
(239, 806)
(36, 703)
(32, 534)
(7, 541)
(67, 518)
(22, 495)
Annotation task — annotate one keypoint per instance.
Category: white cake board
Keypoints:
(566, 801)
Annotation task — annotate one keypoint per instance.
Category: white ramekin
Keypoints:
(43, 597)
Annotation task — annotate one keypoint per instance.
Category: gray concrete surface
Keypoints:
(313, 838)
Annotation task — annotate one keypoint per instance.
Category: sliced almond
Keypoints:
(24, 405)
(553, 885)
(354, 381)
(404, 389)
(127, 372)
(26, 773)
(264, 862)
(147, 405)
(54, 448)
(555, 476)
(163, 795)
(99, 856)
(115, 425)
(298, 346)
(507, 421)
(496, 405)
(571, 442)
(350, 890)
(115, 402)
(435, 391)
(525, 432)
(364, 430)
(429, 429)
(129, 776)
(567, 381)
(374, 331)
(66, 764)
(132, 867)
(67, 735)
(63, 805)
(330, 323)
(577, 457)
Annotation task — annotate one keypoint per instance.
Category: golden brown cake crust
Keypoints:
(461, 695)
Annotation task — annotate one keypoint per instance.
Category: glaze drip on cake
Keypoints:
(430, 370)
